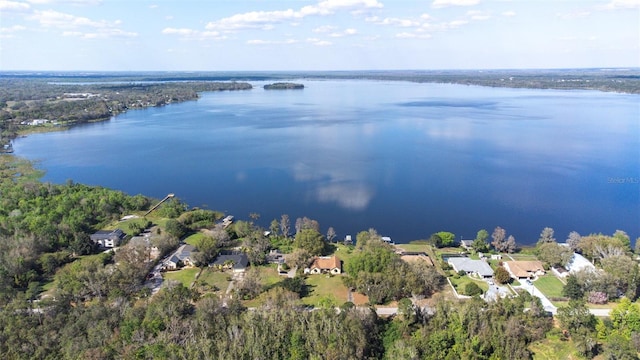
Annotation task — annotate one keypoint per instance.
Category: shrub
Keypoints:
(597, 297)
(472, 289)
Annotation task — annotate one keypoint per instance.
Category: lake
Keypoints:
(404, 158)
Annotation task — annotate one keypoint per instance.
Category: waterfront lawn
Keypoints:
(194, 238)
(550, 286)
(184, 276)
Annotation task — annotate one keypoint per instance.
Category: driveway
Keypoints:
(546, 303)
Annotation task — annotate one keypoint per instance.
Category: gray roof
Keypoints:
(240, 261)
(107, 234)
(184, 251)
(473, 266)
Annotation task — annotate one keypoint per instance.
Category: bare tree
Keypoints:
(510, 245)
(298, 225)
(546, 236)
(574, 241)
(285, 225)
(498, 236)
(331, 234)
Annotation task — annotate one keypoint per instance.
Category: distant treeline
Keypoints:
(23, 100)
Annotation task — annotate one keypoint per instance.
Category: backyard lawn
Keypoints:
(212, 279)
(185, 276)
(461, 282)
(550, 286)
(193, 238)
(325, 286)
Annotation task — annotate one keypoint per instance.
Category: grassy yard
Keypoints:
(461, 282)
(325, 286)
(185, 276)
(549, 285)
(211, 279)
(553, 348)
(194, 238)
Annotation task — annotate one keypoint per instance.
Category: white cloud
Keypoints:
(347, 32)
(319, 42)
(181, 32)
(478, 15)
(153, 6)
(573, 15)
(622, 4)
(324, 29)
(14, 28)
(74, 25)
(457, 23)
(445, 3)
(55, 19)
(266, 19)
(13, 6)
(509, 13)
(348, 195)
(399, 22)
(73, 2)
(425, 16)
(193, 34)
(409, 35)
(272, 42)
(104, 33)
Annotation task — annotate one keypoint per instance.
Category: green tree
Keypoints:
(480, 243)
(501, 275)
(576, 316)
(447, 238)
(573, 288)
(310, 240)
(472, 289)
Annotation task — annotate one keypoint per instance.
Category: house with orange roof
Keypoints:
(326, 265)
(524, 269)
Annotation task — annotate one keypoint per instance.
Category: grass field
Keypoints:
(549, 285)
(211, 279)
(193, 238)
(184, 276)
(325, 286)
(553, 348)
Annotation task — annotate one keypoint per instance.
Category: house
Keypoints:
(108, 238)
(578, 263)
(467, 244)
(180, 256)
(348, 240)
(237, 262)
(325, 264)
(387, 239)
(524, 269)
(275, 257)
(478, 268)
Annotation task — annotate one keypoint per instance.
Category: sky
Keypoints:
(268, 35)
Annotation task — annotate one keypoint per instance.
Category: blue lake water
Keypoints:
(406, 159)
